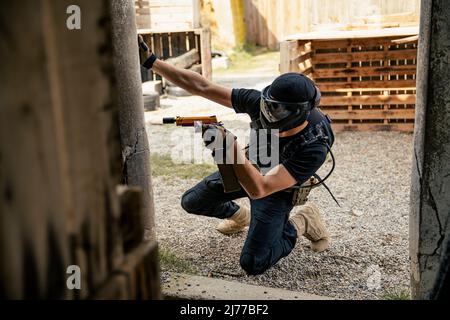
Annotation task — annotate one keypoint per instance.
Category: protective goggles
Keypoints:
(275, 111)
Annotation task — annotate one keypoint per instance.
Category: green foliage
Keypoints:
(399, 294)
(163, 166)
(170, 261)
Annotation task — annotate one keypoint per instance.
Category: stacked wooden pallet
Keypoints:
(367, 78)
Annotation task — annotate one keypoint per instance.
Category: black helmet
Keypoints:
(288, 101)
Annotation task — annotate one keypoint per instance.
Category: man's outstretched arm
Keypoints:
(194, 83)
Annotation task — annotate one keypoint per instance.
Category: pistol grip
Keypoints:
(229, 179)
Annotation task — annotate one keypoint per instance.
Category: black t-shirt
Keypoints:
(300, 162)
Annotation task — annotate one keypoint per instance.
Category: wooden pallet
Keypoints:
(163, 14)
(367, 78)
(168, 44)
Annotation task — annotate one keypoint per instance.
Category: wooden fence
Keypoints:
(269, 21)
(167, 14)
(367, 78)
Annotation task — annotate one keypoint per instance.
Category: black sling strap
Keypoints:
(314, 134)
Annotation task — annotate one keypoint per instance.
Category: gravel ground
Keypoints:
(369, 253)
(368, 256)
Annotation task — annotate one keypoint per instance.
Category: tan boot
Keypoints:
(309, 224)
(236, 223)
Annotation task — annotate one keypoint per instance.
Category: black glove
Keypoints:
(150, 57)
(142, 45)
(220, 141)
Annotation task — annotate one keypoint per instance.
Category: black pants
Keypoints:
(270, 237)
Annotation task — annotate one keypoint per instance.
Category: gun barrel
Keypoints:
(190, 121)
(169, 120)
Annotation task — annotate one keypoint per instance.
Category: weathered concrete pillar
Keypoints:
(430, 190)
(135, 147)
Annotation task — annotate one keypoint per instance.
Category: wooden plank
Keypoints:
(368, 114)
(141, 3)
(368, 100)
(185, 60)
(288, 54)
(182, 42)
(160, 31)
(175, 44)
(364, 71)
(298, 51)
(305, 67)
(141, 267)
(386, 77)
(354, 34)
(196, 13)
(205, 53)
(344, 43)
(187, 10)
(363, 43)
(165, 41)
(412, 39)
(142, 11)
(156, 45)
(142, 21)
(262, 25)
(375, 85)
(349, 93)
(272, 41)
(399, 18)
(402, 127)
(191, 40)
(168, 26)
(364, 56)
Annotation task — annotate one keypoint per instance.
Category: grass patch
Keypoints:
(402, 294)
(170, 261)
(163, 166)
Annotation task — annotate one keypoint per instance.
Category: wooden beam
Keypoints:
(305, 67)
(185, 60)
(368, 100)
(365, 56)
(355, 34)
(406, 40)
(375, 85)
(205, 53)
(288, 54)
(402, 127)
(364, 71)
(369, 114)
(344, 43)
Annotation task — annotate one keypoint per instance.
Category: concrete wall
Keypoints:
(430, 191)
(135, 148)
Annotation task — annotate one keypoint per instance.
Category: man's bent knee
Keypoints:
(190, 202)
(251, 266)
